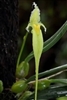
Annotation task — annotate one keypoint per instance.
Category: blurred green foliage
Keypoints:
(62, 98)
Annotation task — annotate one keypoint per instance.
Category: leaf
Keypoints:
(51, 93)
(51, 41)
(44, 83)
(62, 81)
(49, 72)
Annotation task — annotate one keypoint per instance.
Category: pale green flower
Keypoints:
(37, 39)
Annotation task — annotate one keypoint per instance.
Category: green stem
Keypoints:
(36, 84)
(21, 50)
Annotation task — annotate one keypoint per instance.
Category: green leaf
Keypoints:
(51, 41)
(62, 98)
(62, 81)
(51, 93)
(44, 83)
(49, 72)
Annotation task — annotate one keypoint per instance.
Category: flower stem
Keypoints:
(21, 50)
(36, 82)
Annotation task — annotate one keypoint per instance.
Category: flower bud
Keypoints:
(22, 70)
(19, 86)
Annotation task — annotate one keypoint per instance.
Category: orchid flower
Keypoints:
(37, 39)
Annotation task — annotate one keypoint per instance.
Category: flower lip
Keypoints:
(36, 28)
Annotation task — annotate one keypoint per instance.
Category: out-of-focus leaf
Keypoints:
(61, 56)
(50, 93)
(62, 81)
(49, 72)
(62, 98)
(25, 95)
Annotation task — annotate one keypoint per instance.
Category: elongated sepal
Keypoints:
(37, 41)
